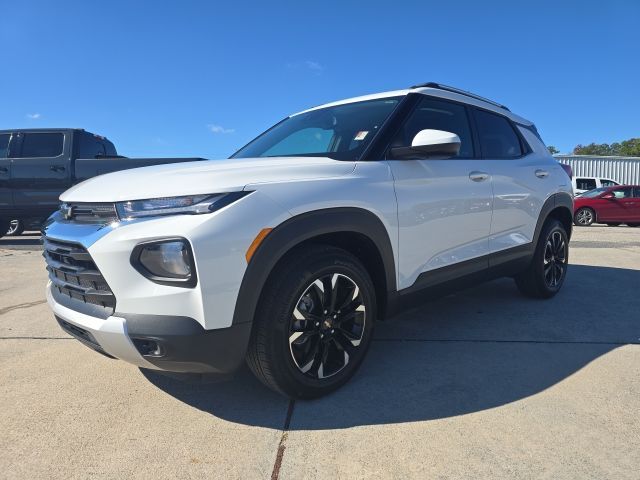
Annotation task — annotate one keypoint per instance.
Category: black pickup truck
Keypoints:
(37, 165)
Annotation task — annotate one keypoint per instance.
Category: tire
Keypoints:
(613, 224)
(4, 227)
(584, 217)
(16, 227)
(544, 277)
(295, 348)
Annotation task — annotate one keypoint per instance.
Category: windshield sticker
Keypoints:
(360, 135)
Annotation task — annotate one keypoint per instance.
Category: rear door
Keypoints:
(5, 171)
(40, 170)
(522, 180)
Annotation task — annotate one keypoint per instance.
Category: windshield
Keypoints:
(592, 193)
(341, 132)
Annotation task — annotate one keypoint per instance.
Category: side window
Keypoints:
(42, 145)
(4, 145)
(585, 183)
(608, 183)
(622, 192)
(636, 192)
(90, 146)
(307, 140)
(498, 139)
(437, 115)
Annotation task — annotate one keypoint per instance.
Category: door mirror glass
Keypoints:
(436, 144)
(609, 196)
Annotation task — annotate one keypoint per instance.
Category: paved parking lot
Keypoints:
(481, 384)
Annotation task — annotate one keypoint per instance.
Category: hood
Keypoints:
(209, 176)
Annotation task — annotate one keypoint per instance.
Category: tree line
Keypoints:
(626, 148)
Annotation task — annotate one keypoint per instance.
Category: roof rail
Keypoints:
(461, 92)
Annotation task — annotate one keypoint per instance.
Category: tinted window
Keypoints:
(622, 192)
(636, 192)
(90, 146)
(585, 183)
(498, 139)
(42, 145)
(608, 183)
(592, 193)
(437, 115)
(341, 132)
(4, 145)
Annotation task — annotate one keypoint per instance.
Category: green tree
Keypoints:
(553, 150)
(627, 148)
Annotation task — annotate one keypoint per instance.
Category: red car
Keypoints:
(610, 205)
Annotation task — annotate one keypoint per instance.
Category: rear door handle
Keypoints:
(57, 168)
(478, 176)
(542, 173)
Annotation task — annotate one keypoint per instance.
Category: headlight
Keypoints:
(188, 204)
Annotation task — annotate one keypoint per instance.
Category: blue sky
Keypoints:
(188, 78)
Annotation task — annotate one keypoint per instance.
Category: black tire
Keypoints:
(16, 228)
(584, 217)
(293, 305)
(4, 227)
(544, 277)
(613, 224)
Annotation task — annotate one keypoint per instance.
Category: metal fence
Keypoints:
(625, 170)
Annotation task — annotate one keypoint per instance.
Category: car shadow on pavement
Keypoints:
(21, 242)
(467, 352)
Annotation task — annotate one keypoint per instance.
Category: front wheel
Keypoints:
(548, 269)
(314, 322)
(16, 227)
(584, 217)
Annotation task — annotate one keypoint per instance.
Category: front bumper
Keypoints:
(170, 343)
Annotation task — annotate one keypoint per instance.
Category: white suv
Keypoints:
(289, 252)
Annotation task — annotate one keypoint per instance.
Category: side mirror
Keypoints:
(608, 196)
(429, 143)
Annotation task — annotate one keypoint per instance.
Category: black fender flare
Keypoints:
(303, 227)
(557, 200)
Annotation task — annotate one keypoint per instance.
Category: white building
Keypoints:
(625, 170)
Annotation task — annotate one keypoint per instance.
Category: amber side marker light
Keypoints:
(256, 243)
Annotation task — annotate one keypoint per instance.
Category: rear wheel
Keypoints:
(314, 323)
(546, 273)
(584, 217)
(16, 227)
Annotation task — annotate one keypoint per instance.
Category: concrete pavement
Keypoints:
(483, 383)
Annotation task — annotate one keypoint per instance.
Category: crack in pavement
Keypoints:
(275, 473)
(20, 306)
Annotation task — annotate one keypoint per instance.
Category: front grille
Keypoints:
(74, 274)
(100, 213)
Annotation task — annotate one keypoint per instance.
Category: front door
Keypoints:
(40, 170)
(619, 207)
(444, 206)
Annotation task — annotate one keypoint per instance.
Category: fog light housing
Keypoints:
(167, 262)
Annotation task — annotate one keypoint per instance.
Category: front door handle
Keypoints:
(57, 168)
(478, 176)
(542, 173)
